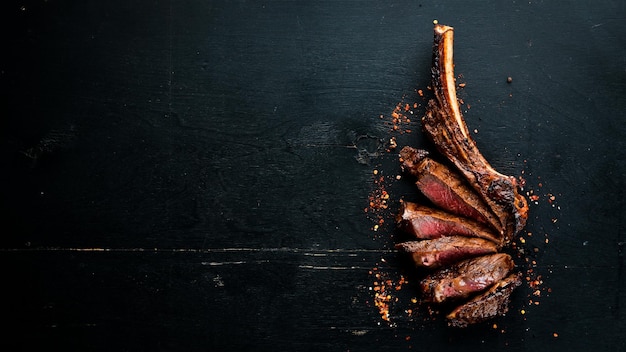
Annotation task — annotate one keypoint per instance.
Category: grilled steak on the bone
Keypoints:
(446, 188)
(446, 250)
(445, 126)
(467, 277)
(487, 305)
(427, 223)
(478, 192)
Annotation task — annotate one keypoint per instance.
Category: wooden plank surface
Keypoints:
(197, 172)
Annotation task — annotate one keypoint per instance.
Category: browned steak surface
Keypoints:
(487, 305)
(446, 250)
(428, 223)
(446, 188)
(466, 277)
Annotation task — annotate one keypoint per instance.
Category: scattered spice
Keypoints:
(392, 143)
(387, 285)
(382, 288)
(400, 117)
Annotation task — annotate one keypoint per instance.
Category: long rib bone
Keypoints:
(445, 125)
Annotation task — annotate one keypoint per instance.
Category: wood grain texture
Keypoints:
(212, 197)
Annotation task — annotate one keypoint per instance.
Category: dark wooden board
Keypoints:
(197, 182)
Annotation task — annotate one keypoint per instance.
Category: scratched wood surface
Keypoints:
(192, 175)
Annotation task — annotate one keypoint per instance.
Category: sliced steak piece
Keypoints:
(427, 223)
(446, 250)
(487, 305)
(467, 277)
(445, 126)
(446, 188)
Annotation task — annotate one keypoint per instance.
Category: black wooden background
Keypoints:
(189, 175)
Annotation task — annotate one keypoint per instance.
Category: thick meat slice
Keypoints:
(487, 305)
(446, 250)
(445, 126)
(428, 223)
(466, 277)
(446, 188)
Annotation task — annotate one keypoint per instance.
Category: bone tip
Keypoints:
(441, 28)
